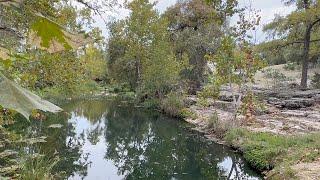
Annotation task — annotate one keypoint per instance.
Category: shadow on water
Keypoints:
(101, 140)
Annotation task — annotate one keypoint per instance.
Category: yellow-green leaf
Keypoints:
(48, 35)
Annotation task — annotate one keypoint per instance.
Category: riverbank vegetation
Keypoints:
(196, 61)
(279, 153)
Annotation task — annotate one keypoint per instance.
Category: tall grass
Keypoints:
(38, 168)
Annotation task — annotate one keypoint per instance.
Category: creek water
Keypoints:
(99, 139)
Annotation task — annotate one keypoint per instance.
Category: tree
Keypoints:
(298, 28)
(195, 30)
(140, 53)
(28, 20)
(236, 66)
(236, 63)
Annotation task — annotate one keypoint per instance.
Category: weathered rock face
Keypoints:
(291, 99)
(190, 100)
(298, 103)
(293, 103)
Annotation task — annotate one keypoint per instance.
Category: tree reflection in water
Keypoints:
(104, 141)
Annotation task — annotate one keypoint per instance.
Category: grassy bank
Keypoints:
(275, 154)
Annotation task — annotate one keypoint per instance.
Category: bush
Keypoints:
(277, 77)
(290, 66)
(315, 81)
(58, 93)
(151, 103)
(213, 120)
(275, 74)
(173, 105)
(117, 88)
(219, 127)
(203, 102)
(187, 113)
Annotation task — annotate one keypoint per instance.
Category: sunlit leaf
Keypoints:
(48, 35)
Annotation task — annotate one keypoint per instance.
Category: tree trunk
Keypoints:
(138, 71)
(305, 63)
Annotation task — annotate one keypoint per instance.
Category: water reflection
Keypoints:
(101, 140)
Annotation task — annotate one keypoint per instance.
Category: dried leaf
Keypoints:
(7, 153)
(41, 139)
(56, 126)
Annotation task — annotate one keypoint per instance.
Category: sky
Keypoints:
(267, 8)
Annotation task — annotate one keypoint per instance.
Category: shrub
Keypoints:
(277, 77)
(151, 103)
(58, 93)
(315, 82)
(203, 102)
(173, 104)
(187, 113)
(219, 127)
(290, 66)
(213, 120)
(274, 74)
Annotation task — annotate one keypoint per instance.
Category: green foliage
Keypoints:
(41, 26)
(315, 81)
(213, 120)
(257, 105)
(41, 71)
(94, 63)
(6, 116)
(210, 90)
(187, 113)
(195, 31)
(266, 151)
(235, 65)
(218, 126)
(278, 78)
(298, 29)
(290, 66)
(275, 74)
(152, 103)
(225, 8)
(118, 88)
(173, 104)
(140, 53)
(38, 167)
(203, 102)
(162, 70)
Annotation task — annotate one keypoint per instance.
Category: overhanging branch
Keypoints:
(95, 9)
(295, 42)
